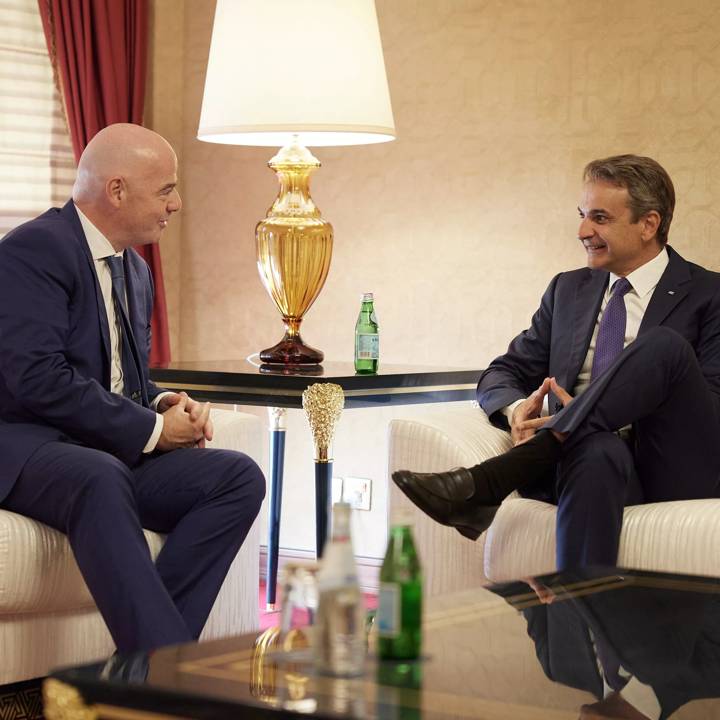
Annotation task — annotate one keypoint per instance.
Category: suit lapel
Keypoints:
(588, 298)
(71, 216)
(669, 292)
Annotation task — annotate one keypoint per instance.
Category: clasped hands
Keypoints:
(186, 422)
(526, 420)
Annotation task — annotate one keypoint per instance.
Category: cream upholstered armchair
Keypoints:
(680, 537)
(47, 616)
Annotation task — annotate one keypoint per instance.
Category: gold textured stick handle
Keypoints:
(323, 403)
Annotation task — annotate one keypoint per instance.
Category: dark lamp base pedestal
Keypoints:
(291, 350)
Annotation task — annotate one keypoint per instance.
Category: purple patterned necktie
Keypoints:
(611, 335)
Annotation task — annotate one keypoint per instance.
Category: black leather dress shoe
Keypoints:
(446, 498)
(130, 667)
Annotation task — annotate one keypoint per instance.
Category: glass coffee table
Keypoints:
(647, 640)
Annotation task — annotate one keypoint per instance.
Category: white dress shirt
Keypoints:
(100, 248)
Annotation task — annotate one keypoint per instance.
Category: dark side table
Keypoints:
(243, 383)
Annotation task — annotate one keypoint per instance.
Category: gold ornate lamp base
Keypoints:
(294, 248)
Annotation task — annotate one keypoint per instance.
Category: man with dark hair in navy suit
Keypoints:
(627, 353)
(644, 645)
(89, 445)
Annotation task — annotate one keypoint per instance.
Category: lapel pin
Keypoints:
(671, 292)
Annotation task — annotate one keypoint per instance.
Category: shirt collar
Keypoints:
(645, 278)
(100, 246)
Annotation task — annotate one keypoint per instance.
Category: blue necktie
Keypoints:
(611, 335)
(132, 385)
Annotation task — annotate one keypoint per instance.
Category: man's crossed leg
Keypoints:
(655, 385)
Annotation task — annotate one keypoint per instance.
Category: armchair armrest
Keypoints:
(236, 606)
(444, 438)
(678, 536)
(237, 431)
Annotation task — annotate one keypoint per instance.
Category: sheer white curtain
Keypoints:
(37, 167)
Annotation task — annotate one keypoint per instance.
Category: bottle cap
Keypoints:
(341, 519)
(367, 297)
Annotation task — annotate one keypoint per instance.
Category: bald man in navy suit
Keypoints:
(89, 445)
(627, 353)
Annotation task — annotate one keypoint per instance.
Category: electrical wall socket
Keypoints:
(357, 492)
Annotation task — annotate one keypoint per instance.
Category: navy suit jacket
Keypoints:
(687, 299)
(55, 346)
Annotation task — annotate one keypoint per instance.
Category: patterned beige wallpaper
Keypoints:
(459, 224)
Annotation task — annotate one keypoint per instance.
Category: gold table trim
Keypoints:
(418, 389)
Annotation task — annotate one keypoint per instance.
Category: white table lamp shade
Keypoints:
(311, 68)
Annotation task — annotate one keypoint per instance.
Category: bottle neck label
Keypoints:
(367, 346)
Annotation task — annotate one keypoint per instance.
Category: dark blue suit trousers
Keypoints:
(205, 500)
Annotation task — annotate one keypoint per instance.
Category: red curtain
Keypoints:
(98, 50)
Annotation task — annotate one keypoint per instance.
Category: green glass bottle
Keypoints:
(400, 603)
(367, 340)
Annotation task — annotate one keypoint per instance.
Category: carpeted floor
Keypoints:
(268, 619)
(21, 701)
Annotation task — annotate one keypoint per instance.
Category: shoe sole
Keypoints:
(468, 532)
